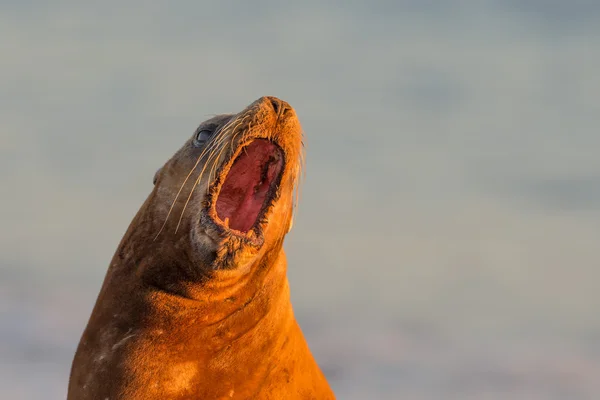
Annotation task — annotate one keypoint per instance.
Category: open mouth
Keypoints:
(249, 185)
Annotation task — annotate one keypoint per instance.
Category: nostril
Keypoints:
(276, 105)
(280, 107)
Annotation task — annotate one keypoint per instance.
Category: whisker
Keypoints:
(192, 190)
(300, 180)
(179, 192)
(207, 148)
(214, 166)
(218, 140)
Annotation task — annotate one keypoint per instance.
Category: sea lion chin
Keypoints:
(195, 303)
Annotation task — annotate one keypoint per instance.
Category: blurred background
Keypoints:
(446, 245)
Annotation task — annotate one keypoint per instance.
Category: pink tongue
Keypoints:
(247, 184)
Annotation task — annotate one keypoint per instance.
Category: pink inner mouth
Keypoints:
(247, 186)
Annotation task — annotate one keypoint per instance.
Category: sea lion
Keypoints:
(196, 302)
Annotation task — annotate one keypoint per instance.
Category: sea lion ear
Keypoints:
(156, 176)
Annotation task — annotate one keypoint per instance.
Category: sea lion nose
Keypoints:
(279, 106)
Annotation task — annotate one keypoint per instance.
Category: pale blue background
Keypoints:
(446, 245)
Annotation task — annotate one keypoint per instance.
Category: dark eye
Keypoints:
(202, 137)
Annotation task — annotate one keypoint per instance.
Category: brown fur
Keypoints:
(197, 312)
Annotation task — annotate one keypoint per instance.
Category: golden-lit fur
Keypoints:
(190, 309)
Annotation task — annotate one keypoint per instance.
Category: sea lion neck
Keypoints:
(228, 303)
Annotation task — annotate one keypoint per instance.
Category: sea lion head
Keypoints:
(227, 196)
